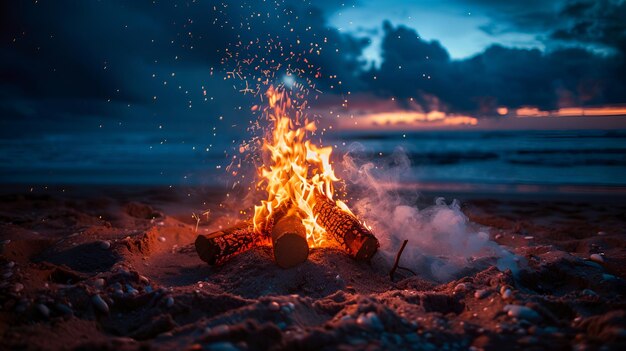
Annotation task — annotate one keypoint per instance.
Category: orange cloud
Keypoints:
(410, 119)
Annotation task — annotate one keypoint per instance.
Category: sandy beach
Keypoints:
(110, 269)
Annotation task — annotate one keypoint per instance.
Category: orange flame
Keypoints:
(297, 168)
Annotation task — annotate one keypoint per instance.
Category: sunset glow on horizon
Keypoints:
(403, 119)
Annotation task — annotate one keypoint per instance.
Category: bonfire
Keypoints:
(300, 211)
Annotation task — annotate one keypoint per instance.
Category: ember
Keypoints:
(299, 211)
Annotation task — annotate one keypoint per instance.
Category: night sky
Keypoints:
(93, 67)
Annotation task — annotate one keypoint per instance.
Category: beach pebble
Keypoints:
(461, 287)
(169, 302)
(597, 258)
(507, 294)
(43, 309)
(480, 294)
(64, 309)
(131, 290)
(370, 321)
(104, 244)
(498, 236)
(274, 306)
(601, 233)
(100, 304)
(521, 312)
(608, 277)
(162, 239)
(589, 292)
(10, 265)
(529, 237)
(143, 280)
(222, 346)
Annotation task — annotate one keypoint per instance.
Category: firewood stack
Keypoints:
(287, 235)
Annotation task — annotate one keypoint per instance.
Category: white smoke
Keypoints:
(442, 242)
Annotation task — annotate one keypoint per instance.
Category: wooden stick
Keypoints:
(356, 240)
(397, 262)
(289, 240)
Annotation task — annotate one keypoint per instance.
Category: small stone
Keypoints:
(104, 244)
(529, 237)
(461, 287)
(370, 321)
(162, 239)
(5, 242)
(100, 304)
(589, 292)
(43, 309)
(480, 294)
(601, 233)
(507, 294)
(143, 280)
(222, 346)
(597, 258)
(131, 290)
(608, 277)
(169, 302)
(10, 264)
(274, 306)
(64, 309)
(522, 312)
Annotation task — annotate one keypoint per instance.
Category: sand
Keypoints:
(109, 269)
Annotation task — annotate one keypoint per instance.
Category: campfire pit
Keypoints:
(299, 212)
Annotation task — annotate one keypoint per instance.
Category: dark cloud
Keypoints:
(500, 76)
(599, 22)
(596, 23)
(64, 63)
(157, 62)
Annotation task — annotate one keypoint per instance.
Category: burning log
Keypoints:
(218, 247)
(289, 240)
(357, 240)
(288, 237)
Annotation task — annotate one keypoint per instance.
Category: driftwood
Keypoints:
(354, 238)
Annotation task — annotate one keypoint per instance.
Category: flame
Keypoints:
(297, 168)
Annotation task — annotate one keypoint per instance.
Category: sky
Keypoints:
(156, 70)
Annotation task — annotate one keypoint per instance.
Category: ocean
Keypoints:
(506, 160)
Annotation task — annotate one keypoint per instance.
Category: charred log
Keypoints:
(289, 240)
(218, 247)
(354, 238)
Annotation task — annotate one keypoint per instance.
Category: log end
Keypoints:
(207, 249)
(367, 249)
(290, 250)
